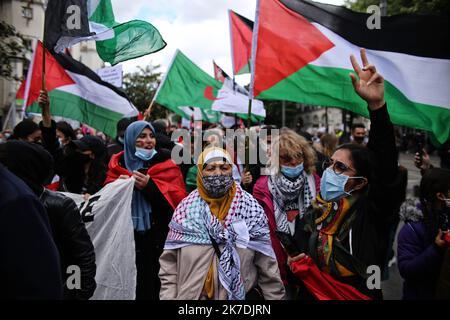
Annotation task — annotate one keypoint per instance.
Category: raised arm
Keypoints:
(369, 85)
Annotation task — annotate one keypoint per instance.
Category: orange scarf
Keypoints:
(219, 206)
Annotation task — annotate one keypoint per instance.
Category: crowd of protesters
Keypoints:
(325, 211)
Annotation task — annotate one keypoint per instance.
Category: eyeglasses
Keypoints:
(337, 166)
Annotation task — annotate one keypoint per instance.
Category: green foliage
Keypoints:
(13, 47)
(404, 6)
(141, 86)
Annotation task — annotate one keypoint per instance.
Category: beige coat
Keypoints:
(183, 273)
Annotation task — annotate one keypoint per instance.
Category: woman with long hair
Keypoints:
(421, 242)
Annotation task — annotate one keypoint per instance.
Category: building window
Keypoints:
(27, 13)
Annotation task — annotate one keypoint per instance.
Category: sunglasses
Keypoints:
(337, 166)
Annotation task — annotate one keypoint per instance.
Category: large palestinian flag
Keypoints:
(303, 49)
(241, 31)
(76, 92)
(185, 84)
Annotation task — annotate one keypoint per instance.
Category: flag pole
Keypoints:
(43, 53)
(252, 81)
(149, 109)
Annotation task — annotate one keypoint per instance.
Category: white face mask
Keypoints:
(79, 136)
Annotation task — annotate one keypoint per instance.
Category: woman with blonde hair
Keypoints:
(289, 190)
(218, 246)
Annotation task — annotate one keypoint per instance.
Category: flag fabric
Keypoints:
(219, 74)
(107, 216)
(68, 22)
(223, 77)
(303, 49)
(185, 84)
(322, 285)
(199, 114)
(76, 92)
(241, 31)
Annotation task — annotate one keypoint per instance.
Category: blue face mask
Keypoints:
(145, 154)
(292, 172)
(332, 185)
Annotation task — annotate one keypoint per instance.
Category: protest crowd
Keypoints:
(162, 211)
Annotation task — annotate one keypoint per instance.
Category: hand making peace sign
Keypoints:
(370, 84)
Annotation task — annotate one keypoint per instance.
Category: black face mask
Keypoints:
(359, 139)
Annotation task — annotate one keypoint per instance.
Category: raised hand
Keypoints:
(369, 84)
(43, 99)
(44, 103)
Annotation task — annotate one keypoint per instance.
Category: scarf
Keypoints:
(245, 226)
(289, 195)
(140, 208)
(332, 222)
(219, 207)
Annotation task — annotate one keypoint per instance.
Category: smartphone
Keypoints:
(287, 241)
(143, 170)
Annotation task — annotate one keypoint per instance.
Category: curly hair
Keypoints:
(291, 145)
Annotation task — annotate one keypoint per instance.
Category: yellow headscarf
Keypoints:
(219, 206)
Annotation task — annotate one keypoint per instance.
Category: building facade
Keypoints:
(27, 16)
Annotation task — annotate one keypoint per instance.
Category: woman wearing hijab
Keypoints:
(159, 187)
(218, 246)
(289, 191)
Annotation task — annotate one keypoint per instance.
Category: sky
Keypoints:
(199, 28)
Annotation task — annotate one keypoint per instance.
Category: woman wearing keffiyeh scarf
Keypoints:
(218, 246)
(289, 191)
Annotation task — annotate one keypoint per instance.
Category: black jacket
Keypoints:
(73, 242)
(374, 210)
(29, 260)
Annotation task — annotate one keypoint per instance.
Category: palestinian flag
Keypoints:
(68, 22)
(223, 77)
(219, 74)
(76, 92)
(241, 31)
(185, 84)
(303, 49)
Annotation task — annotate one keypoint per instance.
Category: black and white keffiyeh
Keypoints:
(245, 226)
(286, 193)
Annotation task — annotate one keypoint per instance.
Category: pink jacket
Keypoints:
(262, 194)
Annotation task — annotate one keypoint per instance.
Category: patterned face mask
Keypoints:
(217, 185)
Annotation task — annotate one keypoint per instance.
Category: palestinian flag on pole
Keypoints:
(241, 32)
(76, 92)
(303, 49)
(68, 22)
(223, 77)
(185, 84)
(219, 74)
